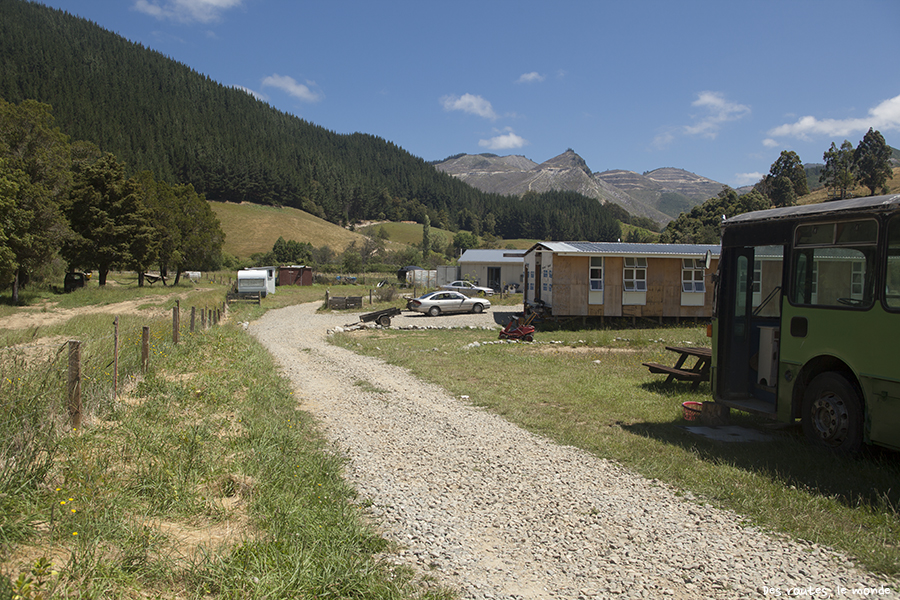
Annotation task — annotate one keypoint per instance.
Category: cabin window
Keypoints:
(692, 270)
(892, 277)
(857, 277)
(635, 274)
(596, 274)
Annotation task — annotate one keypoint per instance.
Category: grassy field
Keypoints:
(589, 389)
(201, 479)
(251, 228)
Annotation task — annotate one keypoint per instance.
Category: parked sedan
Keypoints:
(468, 288)
(436, 303)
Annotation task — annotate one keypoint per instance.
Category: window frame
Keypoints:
(598, 279)
(638, 265)
(695, 267)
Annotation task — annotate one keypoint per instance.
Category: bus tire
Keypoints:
(832, 414)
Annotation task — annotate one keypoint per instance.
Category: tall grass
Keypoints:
(201, 479)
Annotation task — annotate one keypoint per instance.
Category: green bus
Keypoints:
(806, 323)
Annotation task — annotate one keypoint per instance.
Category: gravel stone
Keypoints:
(494, 511)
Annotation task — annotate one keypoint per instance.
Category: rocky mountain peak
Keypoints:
(567, 160)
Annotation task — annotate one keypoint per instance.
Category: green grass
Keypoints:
(409, 233)
(201, 480)
(591, 391)
(252, 228)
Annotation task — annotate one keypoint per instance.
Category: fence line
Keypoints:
(74, 376)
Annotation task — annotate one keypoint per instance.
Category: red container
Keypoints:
(691, 410)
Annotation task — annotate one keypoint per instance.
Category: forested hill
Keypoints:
(160, 115)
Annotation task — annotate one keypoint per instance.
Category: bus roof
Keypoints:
(837, 207)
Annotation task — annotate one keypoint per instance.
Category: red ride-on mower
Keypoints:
(519, 329)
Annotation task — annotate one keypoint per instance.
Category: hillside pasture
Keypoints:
(824, 194)
(251, 228)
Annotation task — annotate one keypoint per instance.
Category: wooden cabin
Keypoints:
(617, 279)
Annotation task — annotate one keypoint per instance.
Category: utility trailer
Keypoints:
(382, 317)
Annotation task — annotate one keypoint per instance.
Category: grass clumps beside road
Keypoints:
(201, 480)
(589, 389)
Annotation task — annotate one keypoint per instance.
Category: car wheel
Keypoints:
(478, 308)
(832, 413)
(434, 311)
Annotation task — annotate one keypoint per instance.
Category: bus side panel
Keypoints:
(863, 340)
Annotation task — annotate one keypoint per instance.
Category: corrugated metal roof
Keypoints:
(886, 203)
(491, 256)
(629, 249)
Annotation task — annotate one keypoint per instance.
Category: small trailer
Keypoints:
(382, 317)
(253, 285)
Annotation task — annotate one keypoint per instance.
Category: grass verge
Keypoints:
(202, 479)
(589, 389)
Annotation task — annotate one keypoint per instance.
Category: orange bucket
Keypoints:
(691, 410)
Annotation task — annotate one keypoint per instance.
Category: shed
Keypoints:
(496, 269)
(617, 279)
(401, 273)
(295, 275)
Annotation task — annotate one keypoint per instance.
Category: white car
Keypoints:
(436, 303)
(468, 288)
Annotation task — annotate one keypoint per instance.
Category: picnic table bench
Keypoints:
(697, 373)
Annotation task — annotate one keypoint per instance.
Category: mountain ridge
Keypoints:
(659, 195)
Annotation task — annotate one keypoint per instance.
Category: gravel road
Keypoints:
(493, 511)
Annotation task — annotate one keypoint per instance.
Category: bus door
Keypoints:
(750, 312)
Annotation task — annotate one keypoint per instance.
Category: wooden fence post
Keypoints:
(116, 358)
(175, 314)
(145, 349)
(193, 316)
(75, 383)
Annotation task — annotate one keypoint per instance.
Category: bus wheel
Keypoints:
(832, 413)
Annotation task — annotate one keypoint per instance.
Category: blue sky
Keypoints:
(715, 87)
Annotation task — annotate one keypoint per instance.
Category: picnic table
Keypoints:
(696, 373)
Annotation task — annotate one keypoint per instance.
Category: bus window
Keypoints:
(834, 264)
(767, 271)
(892, 279)
(834, 276)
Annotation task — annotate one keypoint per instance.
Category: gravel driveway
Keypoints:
(496, 512)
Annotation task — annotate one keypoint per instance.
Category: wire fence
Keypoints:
(52, 386)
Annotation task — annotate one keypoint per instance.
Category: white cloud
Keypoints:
(255, 94)
(533, 77)
(663, 139)
(186, 11)
(468, 103)
(503, 141)
(718, 111)
(884, 117)
(292, 87)
(747, 178)
(770, 143)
